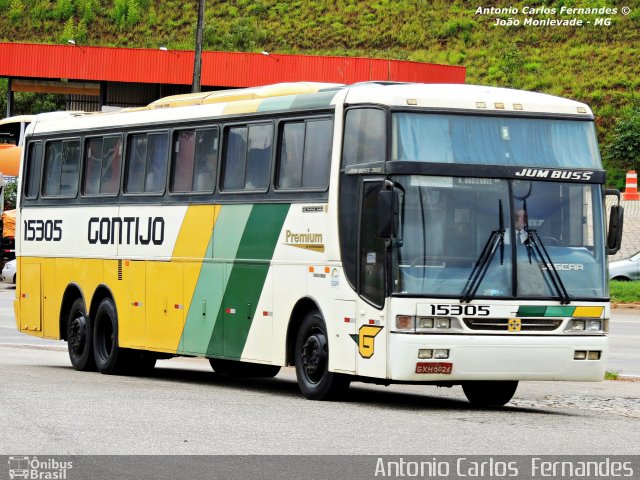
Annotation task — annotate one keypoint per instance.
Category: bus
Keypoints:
(377, 232)
(12, 132)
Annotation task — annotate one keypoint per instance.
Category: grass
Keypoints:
(611, 375)
(624, 292)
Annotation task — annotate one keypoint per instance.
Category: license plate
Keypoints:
(442, 368)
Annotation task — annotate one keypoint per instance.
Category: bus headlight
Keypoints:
(443, 323)
(587, 325)
(425, 322)
(593, 325)
(576, 325)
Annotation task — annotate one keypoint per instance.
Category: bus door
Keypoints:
(371, 260)
(30, 297)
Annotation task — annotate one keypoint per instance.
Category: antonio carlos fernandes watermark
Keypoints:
(488, 467)
(544, 16)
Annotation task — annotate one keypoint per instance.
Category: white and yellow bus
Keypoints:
(387, 233)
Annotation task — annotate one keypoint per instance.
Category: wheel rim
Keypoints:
(314, 357)
(78, 334)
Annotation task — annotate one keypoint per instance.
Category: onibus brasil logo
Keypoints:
(33, 468)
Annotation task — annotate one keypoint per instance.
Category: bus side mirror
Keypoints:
(616, 220)
(387, 213)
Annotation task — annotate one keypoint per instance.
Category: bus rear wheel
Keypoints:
(490, 393)
(315, 380)
(108, 355)
(79, 338)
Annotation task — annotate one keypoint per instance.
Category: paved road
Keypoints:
(184, 408)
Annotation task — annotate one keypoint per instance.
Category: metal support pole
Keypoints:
(9, 98)
(197, 63)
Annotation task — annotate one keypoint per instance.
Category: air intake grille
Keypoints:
(119, 269)
(502, 324)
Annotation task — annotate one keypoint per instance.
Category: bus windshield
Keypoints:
(512, 141)
(447, 222)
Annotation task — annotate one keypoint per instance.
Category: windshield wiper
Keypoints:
(534, 241)
(495, 240)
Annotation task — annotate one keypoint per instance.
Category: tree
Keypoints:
(622, 148)
(10, 195)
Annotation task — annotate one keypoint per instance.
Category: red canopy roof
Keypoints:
(225, 69)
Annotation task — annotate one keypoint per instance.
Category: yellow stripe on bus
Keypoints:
(588, 312)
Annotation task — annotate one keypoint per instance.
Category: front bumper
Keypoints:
(498, 357)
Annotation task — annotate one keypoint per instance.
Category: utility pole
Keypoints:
(197, 63)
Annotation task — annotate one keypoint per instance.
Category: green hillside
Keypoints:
(597, 64)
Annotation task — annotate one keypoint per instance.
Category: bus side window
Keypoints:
(305, 155)
(291, 152)
(70, 170)
(62, 168)
(136, 162)
(206, 156)
(33, 167)
(92, 166)
(365, 134)
(183, 158)
(317, 154)
(235, 158)
(111, 165)
(258, 157)
(52, 166)
(157, 153)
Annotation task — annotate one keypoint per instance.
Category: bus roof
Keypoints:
(232, 95)
(301, 95)
(474, 98)
(17, 119)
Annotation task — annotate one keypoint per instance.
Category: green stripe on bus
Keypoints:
(559, 311)
(214, 275)
(246, 280)
(531, 311)
(545, 311)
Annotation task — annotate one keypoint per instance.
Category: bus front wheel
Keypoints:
(490, 393)
(315, 380)
(79, 338)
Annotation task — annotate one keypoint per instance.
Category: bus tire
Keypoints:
(110, 358)
(80, 338)
(315, 380)
(235, 368)
(490, 393)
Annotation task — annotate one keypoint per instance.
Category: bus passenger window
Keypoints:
(305, 155)
(204, 175)
(137, 158)
(156, 172)
(52, 166)
(317, 154)
(70, 170)
(62, 168)
(34, 161)
(111, 163)
(92, 166)
(235, 158)
(184, 152)
(258, 157)
(291, 151)
(147, 163)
